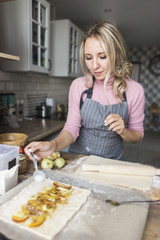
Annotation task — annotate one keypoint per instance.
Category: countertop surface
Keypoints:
(36, 129)
(151, 231)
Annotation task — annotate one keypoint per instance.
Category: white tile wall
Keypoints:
(24, 84)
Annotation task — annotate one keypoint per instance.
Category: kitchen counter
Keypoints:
(36, 129)
(151, 231)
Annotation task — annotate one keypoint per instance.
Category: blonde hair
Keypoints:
(113, 45)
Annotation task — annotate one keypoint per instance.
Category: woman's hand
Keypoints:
(40, 149)
(115, 123)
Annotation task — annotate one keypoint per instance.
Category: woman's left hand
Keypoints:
(115, 123)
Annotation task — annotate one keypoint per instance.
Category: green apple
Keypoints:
(47, 163)
(59, 162)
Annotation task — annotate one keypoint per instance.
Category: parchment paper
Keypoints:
(97, 220)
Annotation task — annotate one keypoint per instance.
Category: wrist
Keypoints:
(124, 132)
(54, 145)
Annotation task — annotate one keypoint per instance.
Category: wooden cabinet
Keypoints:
(64, 45)
(24, 28)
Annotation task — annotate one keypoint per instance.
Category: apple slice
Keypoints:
(37, 221)
(57, 184)
(25, 210)
(17, 218)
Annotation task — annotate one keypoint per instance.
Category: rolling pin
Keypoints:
(139, 170)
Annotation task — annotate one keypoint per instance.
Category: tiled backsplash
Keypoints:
(25, 84)
(34, 100)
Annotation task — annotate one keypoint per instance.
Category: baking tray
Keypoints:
(96, 220)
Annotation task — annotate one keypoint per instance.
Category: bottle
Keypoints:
(20, 113)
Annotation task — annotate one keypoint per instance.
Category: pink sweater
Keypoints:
(135, 99)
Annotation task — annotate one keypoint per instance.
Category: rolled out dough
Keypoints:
(130, 181)
(53, 224)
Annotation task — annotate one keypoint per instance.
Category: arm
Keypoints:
(136, 102)
(70, 131)
(63, 140)
(131, 135)
(44, 149)
(116, 123)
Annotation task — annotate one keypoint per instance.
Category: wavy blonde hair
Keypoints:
(113, 45)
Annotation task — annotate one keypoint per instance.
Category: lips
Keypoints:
(97, 73)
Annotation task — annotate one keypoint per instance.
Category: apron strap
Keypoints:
(125, 97)
(89, 95)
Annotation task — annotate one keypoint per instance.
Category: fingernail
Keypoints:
(36, 157)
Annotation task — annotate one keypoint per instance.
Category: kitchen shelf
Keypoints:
(4, 56)
(6, 0)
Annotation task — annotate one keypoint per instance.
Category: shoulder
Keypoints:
(135, 94)
(134, 88)
(79, 84)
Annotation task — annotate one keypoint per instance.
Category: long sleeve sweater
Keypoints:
(135, 100)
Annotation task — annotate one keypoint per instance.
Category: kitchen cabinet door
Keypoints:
(24, 28)
(65, 40)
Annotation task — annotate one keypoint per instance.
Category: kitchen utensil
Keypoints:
(38, 175)
(137, 170)
(115, 203)
(18, 139)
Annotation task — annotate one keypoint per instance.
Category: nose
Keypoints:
(95, 63)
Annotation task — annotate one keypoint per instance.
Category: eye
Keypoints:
(88, 58)
(103, 57)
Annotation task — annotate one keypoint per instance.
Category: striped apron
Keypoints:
(95, 138)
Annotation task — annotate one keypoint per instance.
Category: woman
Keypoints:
(105, 106)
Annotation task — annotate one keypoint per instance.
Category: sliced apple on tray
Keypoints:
(37, 221)
(20, 217)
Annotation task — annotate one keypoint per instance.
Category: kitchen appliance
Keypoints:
(51, 102)
(43, 111)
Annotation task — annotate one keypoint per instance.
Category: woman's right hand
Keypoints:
(40, 149)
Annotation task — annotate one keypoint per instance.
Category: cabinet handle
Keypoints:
(50, 64)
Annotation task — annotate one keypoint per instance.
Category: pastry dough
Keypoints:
(134, 182)
(54, 223)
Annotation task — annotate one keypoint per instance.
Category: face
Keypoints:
(95, 58)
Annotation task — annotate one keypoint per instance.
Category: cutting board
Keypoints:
(130, 181)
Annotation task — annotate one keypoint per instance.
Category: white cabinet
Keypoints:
(64, 48)
(24, 27)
